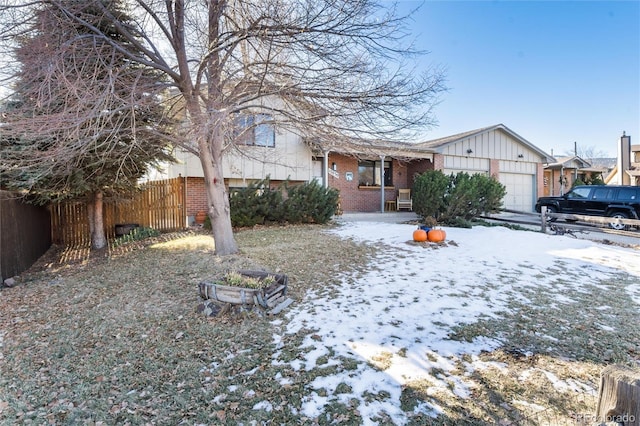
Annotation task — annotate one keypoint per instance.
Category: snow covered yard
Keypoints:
(494, 327)
(427, 325)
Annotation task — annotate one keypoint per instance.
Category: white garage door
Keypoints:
(519, 191)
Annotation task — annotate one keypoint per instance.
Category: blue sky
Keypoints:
(555, 72)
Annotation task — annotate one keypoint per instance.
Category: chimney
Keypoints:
(624, 159)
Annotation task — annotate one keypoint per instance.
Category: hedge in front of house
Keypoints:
(456, 199)
(259, 204)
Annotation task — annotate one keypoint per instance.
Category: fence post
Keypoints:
(619, 395)
(543, 215)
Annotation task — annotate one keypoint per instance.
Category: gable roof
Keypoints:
(438, 144)
(566, 162)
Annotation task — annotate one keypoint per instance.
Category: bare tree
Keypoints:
(83, 122)
(329, 70)
(586, 152)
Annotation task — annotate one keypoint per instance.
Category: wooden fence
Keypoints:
(25, 234)
(159, 205)
(601, 221)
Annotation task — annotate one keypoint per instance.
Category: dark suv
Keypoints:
(597, 200)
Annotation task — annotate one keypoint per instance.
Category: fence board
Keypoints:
(25, 234)
(159, 205)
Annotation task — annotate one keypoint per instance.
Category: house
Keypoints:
(500, 152)
(560, 174)
(368, 175)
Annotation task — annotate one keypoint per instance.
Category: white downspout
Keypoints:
(382, 184)
(325, 170)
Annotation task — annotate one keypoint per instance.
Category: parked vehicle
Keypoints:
(621, 202)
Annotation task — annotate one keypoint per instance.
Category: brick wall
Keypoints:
(438, 162)
(416, 167)
(360, 199)
(352, 198)
(196, 196)
(494, 168)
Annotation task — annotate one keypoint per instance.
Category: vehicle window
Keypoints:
(579, 193)
(628, 194)
(602, 194)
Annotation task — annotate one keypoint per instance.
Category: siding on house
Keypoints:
(495, 150)
(289, 159)
(499, 152)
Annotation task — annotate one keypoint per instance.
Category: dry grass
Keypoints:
(113, 338)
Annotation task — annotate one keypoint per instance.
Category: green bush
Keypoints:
(578, 182)
(258, 203)
(310, 203)
(456, 199)
(136, 234)
(595, 180)
(428, 193)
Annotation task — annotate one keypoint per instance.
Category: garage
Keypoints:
(520, 196)
(496, 151)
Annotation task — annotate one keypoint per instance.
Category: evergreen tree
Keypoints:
(86, 122)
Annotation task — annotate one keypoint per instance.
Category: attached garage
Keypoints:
(500, 152)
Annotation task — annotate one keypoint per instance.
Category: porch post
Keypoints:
(325, 170)
(382, 184)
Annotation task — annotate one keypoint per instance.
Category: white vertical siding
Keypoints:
(469, 164)
(495, 144)
(289, 159)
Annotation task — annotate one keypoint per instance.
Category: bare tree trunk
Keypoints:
(211, 143)
(91, 208)
(98, 237)
(219, 209)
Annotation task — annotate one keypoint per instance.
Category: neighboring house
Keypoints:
(368, 176)
(627, 168)
(560, 174)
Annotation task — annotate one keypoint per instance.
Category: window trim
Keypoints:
(375, 164)
(254, 129)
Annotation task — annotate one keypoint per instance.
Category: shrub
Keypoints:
(136, 234)
(258, 203)
(310, 203)
(577, 182)
(595, 180)
(428, 192)
(456, 199)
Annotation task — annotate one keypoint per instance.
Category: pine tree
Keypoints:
(86, 122)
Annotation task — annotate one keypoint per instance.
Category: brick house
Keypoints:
(369, 175)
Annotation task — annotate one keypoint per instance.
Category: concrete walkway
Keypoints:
(386, 217)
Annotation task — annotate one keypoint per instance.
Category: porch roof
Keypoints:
(375, 149)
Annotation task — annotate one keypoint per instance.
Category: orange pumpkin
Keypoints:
(419, 235)
(436, 235)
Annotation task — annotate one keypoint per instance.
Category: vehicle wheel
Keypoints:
(618, 226)
(551, 209)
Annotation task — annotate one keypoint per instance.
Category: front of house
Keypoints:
(369, 176)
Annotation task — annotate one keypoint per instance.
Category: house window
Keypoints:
(369, 173)
(254, 129)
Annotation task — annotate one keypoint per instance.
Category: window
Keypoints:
(627, 194)
(602, 194)
(254, 129)
(579, 193)
(369, 173)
